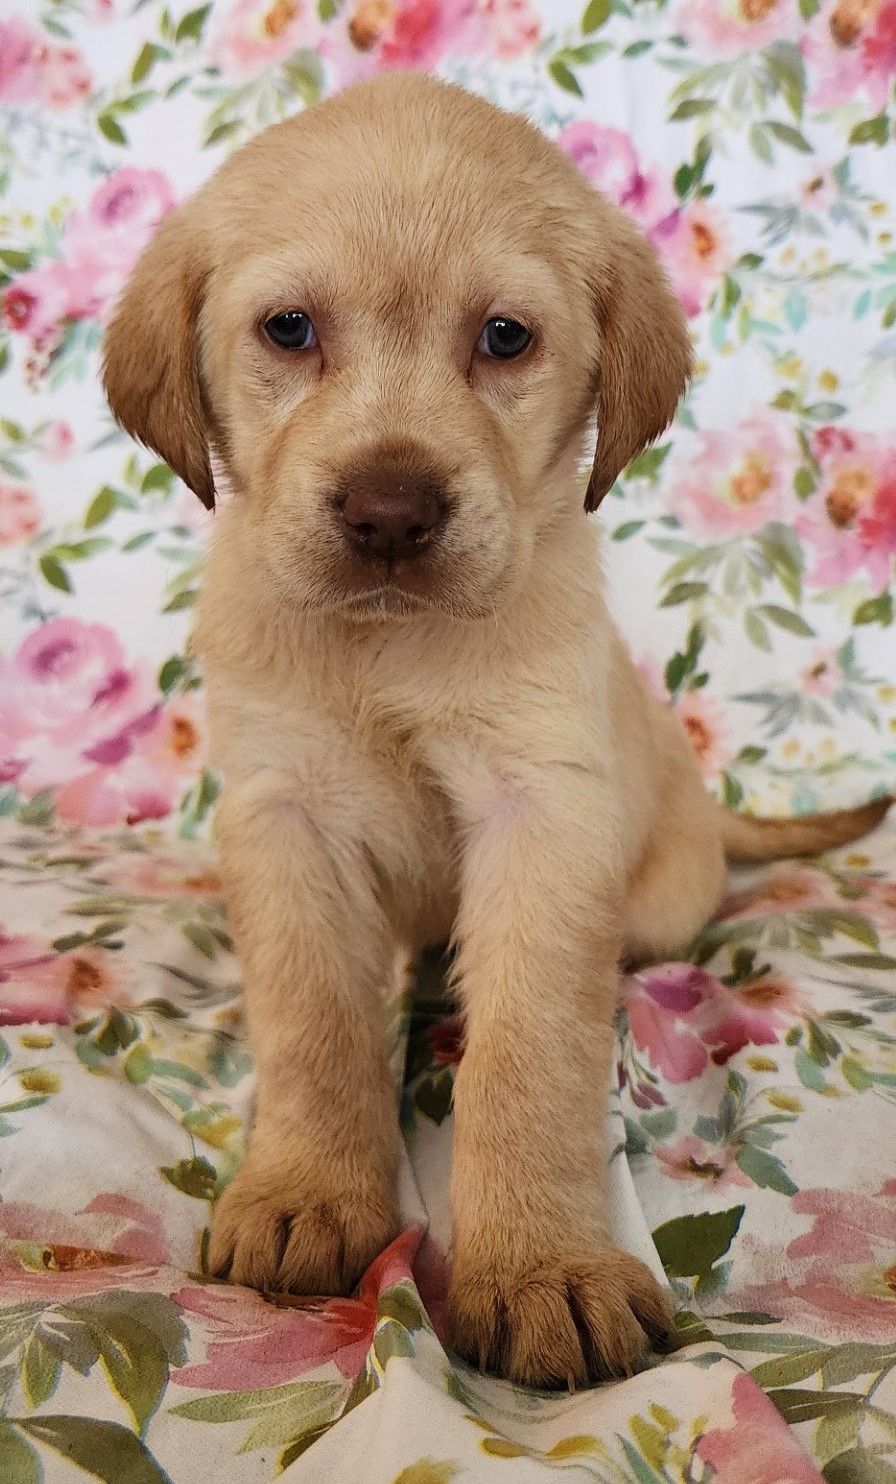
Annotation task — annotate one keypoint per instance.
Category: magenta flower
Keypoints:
(682, 1017)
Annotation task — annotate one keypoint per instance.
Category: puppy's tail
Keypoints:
(747, 838)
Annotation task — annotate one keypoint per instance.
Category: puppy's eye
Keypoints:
(291, 330)
(504, 338)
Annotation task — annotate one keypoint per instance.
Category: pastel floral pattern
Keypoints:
(750, 557)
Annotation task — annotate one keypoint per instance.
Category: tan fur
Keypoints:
(464, 749)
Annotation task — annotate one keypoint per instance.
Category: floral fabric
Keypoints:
(751, 560)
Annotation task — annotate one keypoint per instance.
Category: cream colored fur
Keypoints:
(465, 751)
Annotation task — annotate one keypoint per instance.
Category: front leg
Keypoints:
(313, 1202)
(538, 1292)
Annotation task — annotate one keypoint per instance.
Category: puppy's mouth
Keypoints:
(390, 584)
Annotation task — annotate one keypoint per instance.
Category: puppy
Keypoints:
(392, 319)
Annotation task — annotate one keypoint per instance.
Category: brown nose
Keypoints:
(391, 521)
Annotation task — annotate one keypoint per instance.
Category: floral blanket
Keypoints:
(750, 1151)
(750, 558)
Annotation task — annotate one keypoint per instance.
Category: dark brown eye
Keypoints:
(504, 338)
(291, 330)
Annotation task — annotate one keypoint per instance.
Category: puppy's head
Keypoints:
(392, 318)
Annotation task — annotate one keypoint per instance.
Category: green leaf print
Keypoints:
(105, 1449)
(689, 1246)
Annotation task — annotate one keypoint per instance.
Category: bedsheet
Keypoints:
(749, 1142)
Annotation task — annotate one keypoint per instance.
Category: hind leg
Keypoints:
(677, 885)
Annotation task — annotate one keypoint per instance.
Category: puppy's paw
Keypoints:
(279, 1236)
(564, 1322)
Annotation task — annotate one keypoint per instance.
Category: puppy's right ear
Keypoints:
(150, 363)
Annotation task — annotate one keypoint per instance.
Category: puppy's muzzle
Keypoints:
(392, 503)
(391, 522)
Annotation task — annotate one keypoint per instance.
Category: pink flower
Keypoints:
(512, 26)
(57, 440)
(113, 1242)
(36, 301)
(690, 1159)
(377, 35)
(32, 69)
(738, 479)
(78, 718)
(65, 77)
(39, 984)
(99, 247)
(31, 986)
(838, 1280)
(19, 48)
(783, 889)
(253, 1342)
(879, 902)
(19, 513)
(692, 245)
(255, 34)
(850, 518)
(821, 675)
(725, 28)
(159, 875)
(682, 1017)
(758, 1447)
(704, 723)
(850, 49)
(608, 158)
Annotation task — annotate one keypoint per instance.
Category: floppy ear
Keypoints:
(150, 365)
(645, 354)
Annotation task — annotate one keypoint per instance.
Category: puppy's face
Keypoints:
(392, 318)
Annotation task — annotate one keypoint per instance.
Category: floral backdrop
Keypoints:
(751, 557)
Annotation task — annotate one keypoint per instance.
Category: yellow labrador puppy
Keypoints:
(391, 319)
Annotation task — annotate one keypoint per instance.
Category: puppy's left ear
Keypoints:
(645, 350)
(151, 353)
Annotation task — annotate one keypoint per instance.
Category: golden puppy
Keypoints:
(391, 319)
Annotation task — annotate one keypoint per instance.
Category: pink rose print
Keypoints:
(838, 1279)
(99, 247)
(31, 986)
(158, 875)
(692, 244)
(682, 1017)
(783, 889)
(113, 1242)
(725, 28)
(690, 238)
(255, 34)
(377, 35)
(38, 984)
(253, 1343)
(759, 1447)
(35, 70)
(608, 158)
(19, 513)
(690, 1159)
(704, 722)
(80, 719)
(57, 440)
(738, 479)
(512, 26)
(850, 49)
(849, 520)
